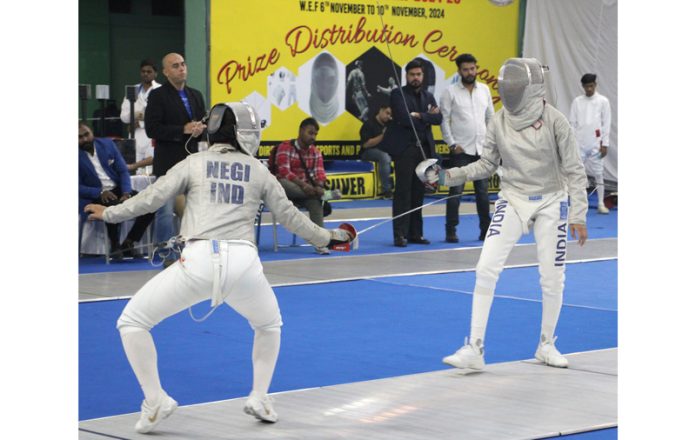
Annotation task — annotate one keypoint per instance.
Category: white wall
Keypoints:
(574, 37)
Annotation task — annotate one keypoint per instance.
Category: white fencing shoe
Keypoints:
(150, 416)
(547, 353)
(469, 356)
(261, 408)
(601, 209)
(322, 250)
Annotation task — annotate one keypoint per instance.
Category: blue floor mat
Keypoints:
(333, 333)
(601, 434)
(594, 283)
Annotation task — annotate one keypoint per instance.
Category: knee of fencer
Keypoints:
(485, 289)
(272, 326)
(127, 325)
(486, 277)
(552, 286)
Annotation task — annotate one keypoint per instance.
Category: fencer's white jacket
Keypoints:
(223, 193)
(590, 116)
(535, 162)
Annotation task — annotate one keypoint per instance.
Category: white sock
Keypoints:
(551, 309)
(480, 306)
(142, 356)
(264, 357)
(600, 194)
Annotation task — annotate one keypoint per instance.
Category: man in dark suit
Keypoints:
(419, 110)
(104, 179)
(173, 120)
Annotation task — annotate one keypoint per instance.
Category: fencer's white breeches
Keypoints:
(189, 281)
(240, 282)
(594, 164)
(547, 217)
(143, 145)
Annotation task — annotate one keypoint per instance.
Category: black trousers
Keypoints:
(408, 194)
(139, 226)
(480, 189)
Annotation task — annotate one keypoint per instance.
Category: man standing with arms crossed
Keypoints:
(173, 119)
(466, 109)
(590, 116)
(408, 141)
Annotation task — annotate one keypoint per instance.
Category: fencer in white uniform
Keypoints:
(541, 170)
(590, 117)
(224, 187)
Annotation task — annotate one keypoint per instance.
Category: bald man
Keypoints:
(173, 120)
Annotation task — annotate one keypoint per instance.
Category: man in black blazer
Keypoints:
(172, 118)
(420, 111)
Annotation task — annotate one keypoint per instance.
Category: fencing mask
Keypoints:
(520, 81)
(522, 90)
(235, 121)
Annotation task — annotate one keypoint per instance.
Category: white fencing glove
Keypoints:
(431, 174)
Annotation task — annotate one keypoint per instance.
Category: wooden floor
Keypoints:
(507, 401)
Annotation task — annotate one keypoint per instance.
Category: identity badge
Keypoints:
(564, 210)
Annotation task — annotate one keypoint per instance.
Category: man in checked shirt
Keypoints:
(299, 166)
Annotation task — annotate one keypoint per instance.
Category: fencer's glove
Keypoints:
(342, 237)
(431, 174)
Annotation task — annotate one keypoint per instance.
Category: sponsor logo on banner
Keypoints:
(353, 185)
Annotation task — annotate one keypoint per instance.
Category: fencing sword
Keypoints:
(413, 127)
(401, 90)
(406, 213)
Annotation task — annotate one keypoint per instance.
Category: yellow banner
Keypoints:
(337, 61)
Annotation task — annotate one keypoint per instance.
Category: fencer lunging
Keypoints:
(224, 187)
(541, 170)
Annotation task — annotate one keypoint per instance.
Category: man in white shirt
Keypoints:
(143, 144)
(590, 117)
(466, 108)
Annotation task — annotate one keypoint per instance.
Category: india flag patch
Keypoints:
(564, 210)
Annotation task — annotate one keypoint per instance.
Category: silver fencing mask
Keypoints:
(521, 80)
(245, 129)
